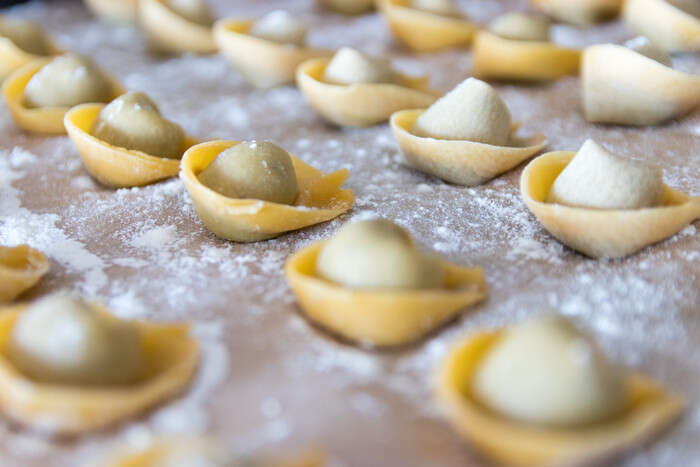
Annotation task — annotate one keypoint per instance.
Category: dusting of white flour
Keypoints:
(268, 378)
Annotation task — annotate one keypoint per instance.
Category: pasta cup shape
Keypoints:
(423, 31)
(120, 11)
(598, 233)
(360, 104)
(171, 357)
(20, 268)
(249, 220)
(625, 87)
(12, 57)
(505, 59)
(580, 12)
(466, 163)
(112, 165)
(46, 120)
(261, 63)
(649, 410)
(385, 317)
(169, 32)
(664, 24)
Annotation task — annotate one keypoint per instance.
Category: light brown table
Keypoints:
(271, 382)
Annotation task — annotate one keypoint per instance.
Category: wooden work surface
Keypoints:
(268, 380)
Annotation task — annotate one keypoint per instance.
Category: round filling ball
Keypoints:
(66, 81)
(547, 372)
(133, 121)
(472, 111)
(65, 341)
(253, 170)
(596, 178)
(377, 254)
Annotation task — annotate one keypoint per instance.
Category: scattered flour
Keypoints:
(189, 415)
(144, 252)
(19, 225)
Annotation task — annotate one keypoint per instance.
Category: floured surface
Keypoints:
(270, 381)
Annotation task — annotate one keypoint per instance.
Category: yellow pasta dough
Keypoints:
(75, 382)
(119, 166)
(522, 367)
(504, 58)
(174, 26)
(319, 198)
(369, 284)
(20, 268)
(21, 42)
(581, 12)
(204, 452)
(270, 56)
(672, 25)
(56, 87)
(596, 232)
(626, 86)
(466, 137)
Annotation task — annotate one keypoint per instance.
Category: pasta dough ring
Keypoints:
(651, 409)
(664, 24)
(465, 163)
(610, 233)
(12, 57)
(580, 12)
(423, 31)
(625, 87)
(20, 268)
(248, 220)
(111, 165)
(386, 317)
(261, 63)
(171, 33)
(47, 120)
(507, 59)
(171, 359)
(360, 104)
